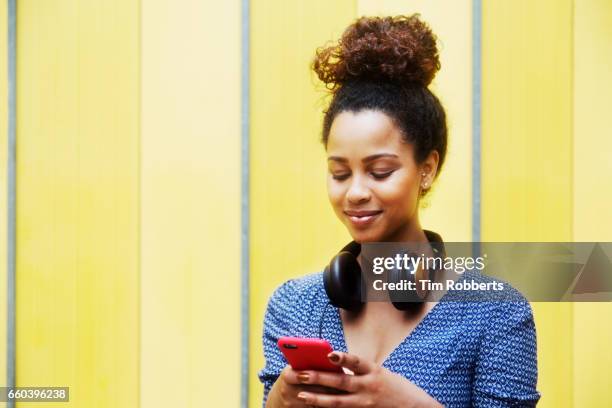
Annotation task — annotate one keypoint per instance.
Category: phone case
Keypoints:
(307, 353)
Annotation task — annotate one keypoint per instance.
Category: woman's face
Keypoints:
(373, 181)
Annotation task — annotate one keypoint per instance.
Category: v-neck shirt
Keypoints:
(463, 352)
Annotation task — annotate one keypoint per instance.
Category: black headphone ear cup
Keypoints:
(342, 281)
(342, 278)
(406, 299)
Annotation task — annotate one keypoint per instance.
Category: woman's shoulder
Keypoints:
(299, 293)
(505, 311)
(297, 305)
(491, 301)
(506, 361)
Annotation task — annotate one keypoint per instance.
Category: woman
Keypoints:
(385, 137)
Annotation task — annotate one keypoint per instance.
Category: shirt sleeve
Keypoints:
(506, 370)
(276, 325)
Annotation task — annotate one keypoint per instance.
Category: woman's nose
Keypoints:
(357, 192)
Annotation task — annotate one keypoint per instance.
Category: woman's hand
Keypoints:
(285, 390)
(371, 386)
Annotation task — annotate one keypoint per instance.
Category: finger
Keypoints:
(325, 400)
(289, 376)
(317, 389)
(350, 361)
(339, 381)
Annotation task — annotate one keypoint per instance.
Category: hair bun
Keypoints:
(399, 49)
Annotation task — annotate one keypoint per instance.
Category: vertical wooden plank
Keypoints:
(190, 204)
(78, 197)
(592, 195)
(3, 187)
(293, 228)
(449, 207)
(527, 120)
(527, 189)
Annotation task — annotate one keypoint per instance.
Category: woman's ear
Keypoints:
(429, 168)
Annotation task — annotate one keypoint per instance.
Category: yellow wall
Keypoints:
(190, 205)
(3, 187)
(129, 180)
(545, 77)
(592, 194)
(78, 197)
(96, 193)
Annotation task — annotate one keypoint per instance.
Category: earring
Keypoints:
(425, 183)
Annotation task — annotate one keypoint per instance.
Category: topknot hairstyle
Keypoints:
(386, 64)
(396, 49)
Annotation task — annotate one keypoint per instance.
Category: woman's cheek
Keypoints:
(391, 194)
(335, 198)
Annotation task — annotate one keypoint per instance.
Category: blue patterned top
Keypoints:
(480, 354)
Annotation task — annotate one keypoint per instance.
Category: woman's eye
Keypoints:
(376, 175)
(380, 176)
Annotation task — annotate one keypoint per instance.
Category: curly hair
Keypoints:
(386, 64)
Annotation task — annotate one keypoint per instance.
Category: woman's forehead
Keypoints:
(364, 133)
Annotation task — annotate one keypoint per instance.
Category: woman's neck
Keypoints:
(411, 232)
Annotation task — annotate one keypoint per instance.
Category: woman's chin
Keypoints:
(365, 236)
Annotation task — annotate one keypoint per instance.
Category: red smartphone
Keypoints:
(304, 353)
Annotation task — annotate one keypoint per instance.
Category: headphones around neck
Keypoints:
(342, 278)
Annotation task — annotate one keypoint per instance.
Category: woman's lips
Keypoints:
(362, 218)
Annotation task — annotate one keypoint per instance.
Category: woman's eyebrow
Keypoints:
(365, 160)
